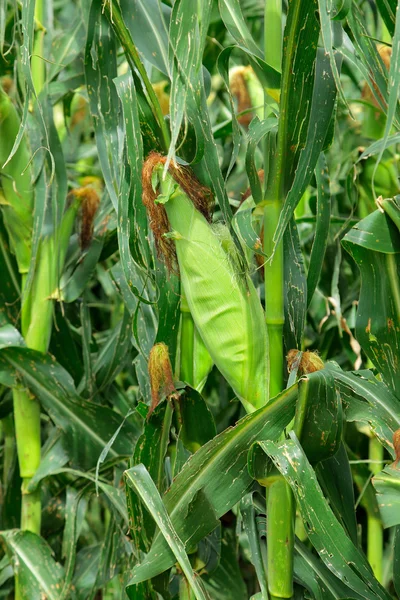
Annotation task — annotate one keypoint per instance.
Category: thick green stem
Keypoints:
(280, 502)
(113, 13)
(374, 524)
(37, 61)
(36, 328)
(281, 507)
(27, 432)
(274, 302)
(280, 538)
(9, 447)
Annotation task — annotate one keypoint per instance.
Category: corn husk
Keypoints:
(222, 300)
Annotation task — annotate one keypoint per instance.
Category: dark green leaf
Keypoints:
(322, 227)
(374, 244)
(139, 479)
(387, 485)
(213, 480)
(323, 529)
(295, 290)
(55, 389)
(334, 475)
(38, 573)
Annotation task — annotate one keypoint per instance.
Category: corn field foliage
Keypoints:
(199, 299)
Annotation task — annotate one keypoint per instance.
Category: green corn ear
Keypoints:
(202, 362)
(17, 198)
(223, 302)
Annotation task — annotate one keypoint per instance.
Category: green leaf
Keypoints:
(322, 227)
(334, 475)
(370, 65)
(319, 118)
(227, 570)
(147, 20)
(318, 417)
(113, 355)
(100, 70)
(55, 389)
(298, 82)
(374, 243)
(322, 420)
(295, 288)
(387, 9)
(39, 575)
(323, 529)
(369, 401)
(78, 274)
(196, 422)
(67, 45)
(213, 480)
(232, 16)
(10, 288)
(9, 336)
(312, 573)
(396, 561)
(139, 479)
(150, 450)
(248, 513)
(185, 54)
(257, 131)
(387, 485)
(393, 85)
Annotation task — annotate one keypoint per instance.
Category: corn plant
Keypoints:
(199, 300)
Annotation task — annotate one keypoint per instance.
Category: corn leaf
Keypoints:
(319, 118)
(311, 572)
(55, 389)
(201, 493)
(387, 486)
(39, 574)
(375, 245)
(322, 227)
(323, 529)
(295, 288)
(369, 401)
(334, 476)
(139, 479)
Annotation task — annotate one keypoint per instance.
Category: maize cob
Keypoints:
(222, 300)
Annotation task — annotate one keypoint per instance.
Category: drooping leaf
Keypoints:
(76, 417)
(334, 475)
(375, 245)
(369, 401)
(323, 529)
(312, 573)
(321, 111)
(322, 227)
(139, 479)
(387, 485)
(213, 480)
(38, 573)
(227, 570)
(295, 288)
